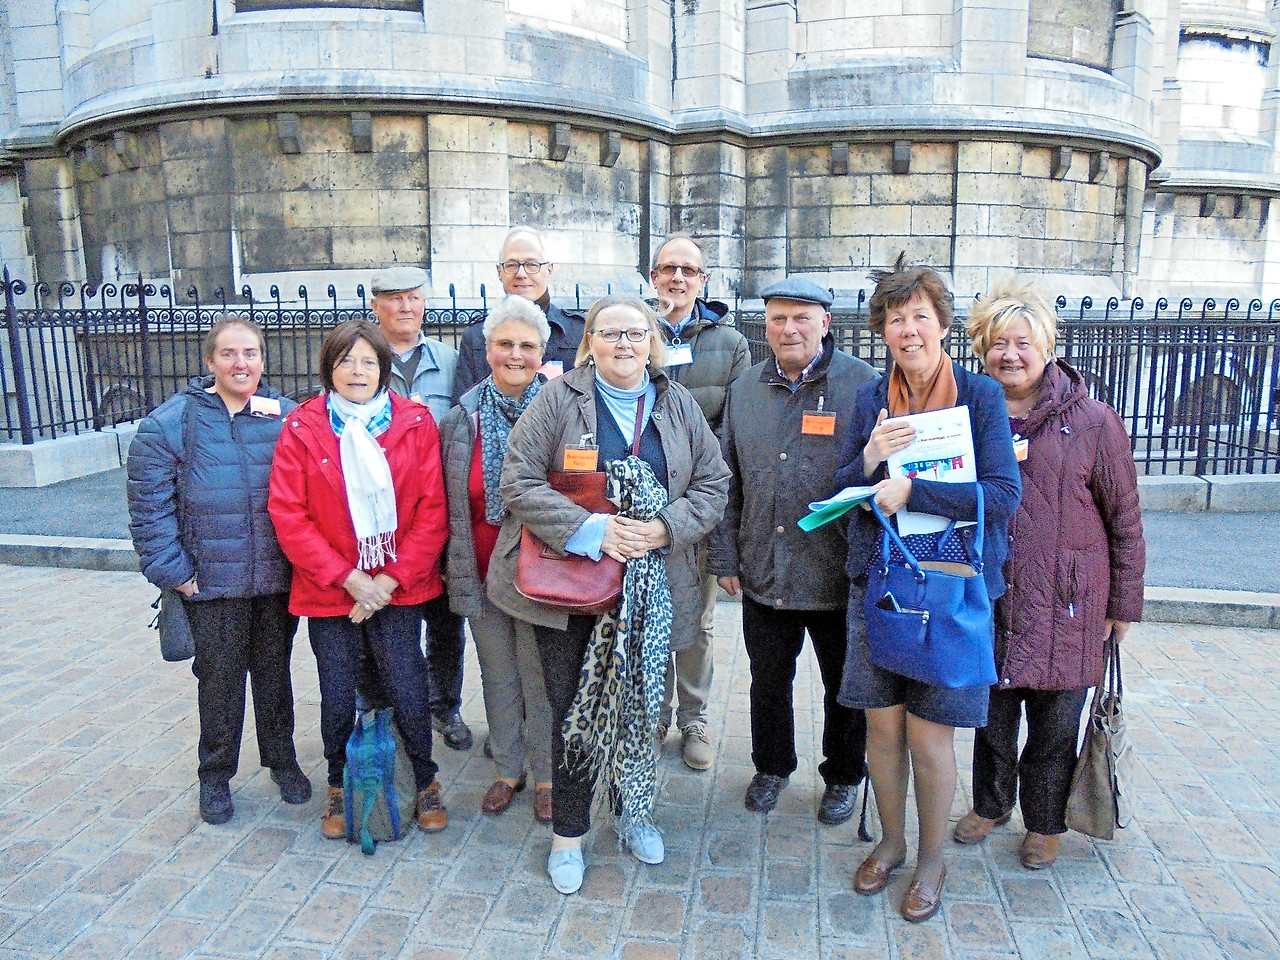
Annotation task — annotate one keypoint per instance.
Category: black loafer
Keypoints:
(839, 801)
(453, 730)
(215, 803)
(294, 786)
(762, 792)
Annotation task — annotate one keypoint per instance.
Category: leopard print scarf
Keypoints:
(610, 726)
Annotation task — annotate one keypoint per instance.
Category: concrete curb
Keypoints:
(1221, 608)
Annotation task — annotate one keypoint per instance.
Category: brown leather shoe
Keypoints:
(499, 796)
(430, 811)
(973, 827)
(1038, 851)
(922, 902)
(334, 822)
(542, 804)
(874, 875)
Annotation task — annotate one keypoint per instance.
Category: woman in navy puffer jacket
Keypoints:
(198, 471)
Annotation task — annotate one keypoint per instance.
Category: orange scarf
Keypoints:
(940, 394)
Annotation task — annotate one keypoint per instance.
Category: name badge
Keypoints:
(679, 354)
(581, 459)
(815, 423)
(263, 407)
(552, 369)
(1020, 445)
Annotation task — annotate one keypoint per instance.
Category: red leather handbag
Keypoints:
(568, 582)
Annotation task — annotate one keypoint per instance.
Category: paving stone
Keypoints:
(1196, 877)
(724, 893)
(327, 915)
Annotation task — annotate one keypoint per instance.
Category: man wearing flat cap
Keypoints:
(422, 369)
(524, 271)
(784, 424)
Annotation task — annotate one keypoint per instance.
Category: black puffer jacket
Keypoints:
(228, 541)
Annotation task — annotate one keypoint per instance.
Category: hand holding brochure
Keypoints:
(824, 511)
(943, 451)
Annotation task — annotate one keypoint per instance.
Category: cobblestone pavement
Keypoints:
(102, 854)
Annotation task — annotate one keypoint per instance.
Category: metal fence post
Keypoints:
(15, 353)
(144, 340)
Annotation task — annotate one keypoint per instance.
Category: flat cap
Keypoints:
(395, 279)
(801, 289)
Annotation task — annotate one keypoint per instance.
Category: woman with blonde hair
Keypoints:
(1075, 570)
(616, 411)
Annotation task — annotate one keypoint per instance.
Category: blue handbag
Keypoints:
(930, 620)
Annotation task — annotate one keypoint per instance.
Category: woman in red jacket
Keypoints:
(357, 499)
(1075, 571)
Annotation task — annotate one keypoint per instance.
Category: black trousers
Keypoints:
(445, 644)
(774, 639)
(392, 637)
(562, 652)
(236, 637)
(1041, 776)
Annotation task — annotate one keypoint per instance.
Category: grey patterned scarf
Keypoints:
(610, 726)
(498, 413)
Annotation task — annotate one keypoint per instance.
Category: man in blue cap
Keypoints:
(784, 424)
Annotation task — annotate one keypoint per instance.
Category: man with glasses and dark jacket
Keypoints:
(524, 271)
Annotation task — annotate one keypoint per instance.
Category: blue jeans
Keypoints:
(392, 638)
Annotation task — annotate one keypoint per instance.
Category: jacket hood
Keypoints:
(1063, 387)
(706, 313)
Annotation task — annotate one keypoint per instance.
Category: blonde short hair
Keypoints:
(657, 346)
(1007, 302)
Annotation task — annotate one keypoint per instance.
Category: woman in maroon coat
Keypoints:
(1075, 571)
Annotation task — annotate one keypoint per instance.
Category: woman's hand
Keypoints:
(641, 536)
(892, 494)
(188, 589)
(363, 610)
(887, 438)
(730, 585)
(1117, 629)
(369, 592)
(626, 539)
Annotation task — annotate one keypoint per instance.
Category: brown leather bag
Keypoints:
(568, 582)
(1099, 802)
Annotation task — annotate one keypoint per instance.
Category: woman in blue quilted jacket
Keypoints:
(198, 471)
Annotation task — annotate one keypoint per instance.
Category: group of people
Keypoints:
(356, 511)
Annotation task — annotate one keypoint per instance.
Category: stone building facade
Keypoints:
(1117, 146)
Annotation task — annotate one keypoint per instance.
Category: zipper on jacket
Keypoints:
(248, 490)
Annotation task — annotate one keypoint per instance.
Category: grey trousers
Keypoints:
(515, 697)
(690, 671)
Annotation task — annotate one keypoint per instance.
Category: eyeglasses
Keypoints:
(531, 267)
(511, 346)
(635, 335)
(365, 363)
(670, 269)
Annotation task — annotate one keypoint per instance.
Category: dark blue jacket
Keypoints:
(997, 472)
(228, 542)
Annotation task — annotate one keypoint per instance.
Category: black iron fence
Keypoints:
(1197, 384)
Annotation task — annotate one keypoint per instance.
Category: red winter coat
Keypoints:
(308, 505)
(1076, 553)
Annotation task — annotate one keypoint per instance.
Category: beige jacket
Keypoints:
(697, 480)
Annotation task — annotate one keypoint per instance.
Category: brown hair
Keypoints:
(225, 322)
(905, 281)
(657, 346)
(342, 339)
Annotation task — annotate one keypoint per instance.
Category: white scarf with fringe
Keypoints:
(371, 496)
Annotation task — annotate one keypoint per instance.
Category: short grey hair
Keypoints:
(517, 308)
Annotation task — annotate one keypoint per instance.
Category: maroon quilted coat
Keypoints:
(1076, 553)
